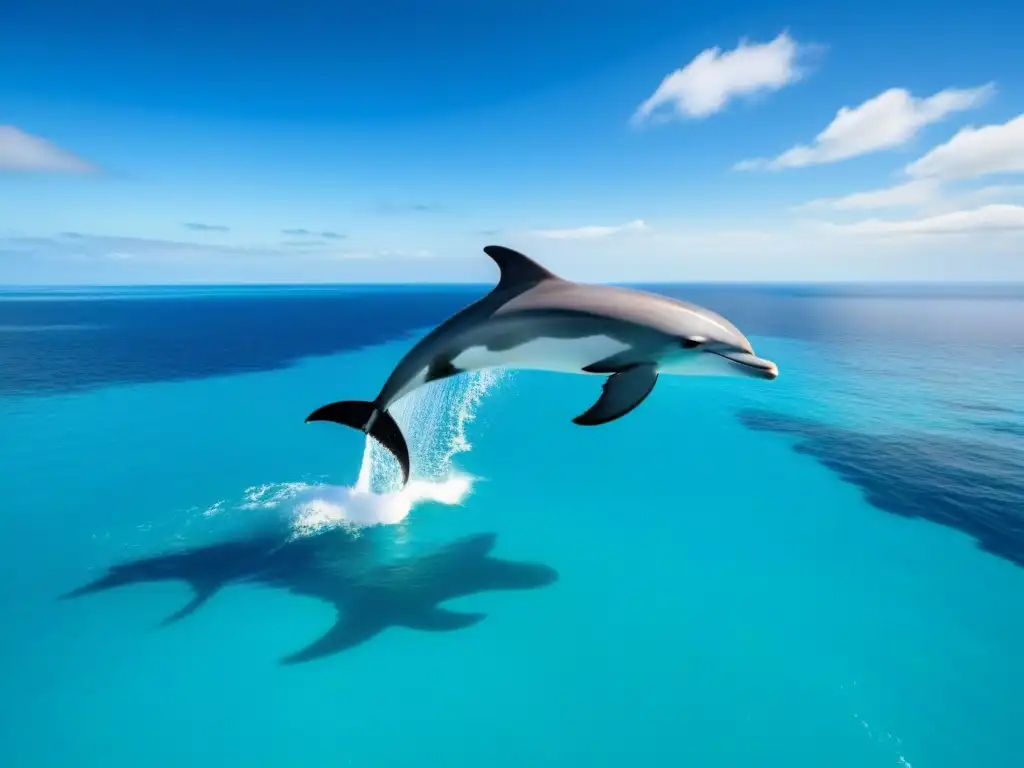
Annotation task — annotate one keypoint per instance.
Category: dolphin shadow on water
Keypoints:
(408, 592)
(336, 567)
(206, 569)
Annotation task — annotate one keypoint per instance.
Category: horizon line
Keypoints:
(466, 284)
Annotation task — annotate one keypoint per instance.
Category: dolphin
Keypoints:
(534, 319)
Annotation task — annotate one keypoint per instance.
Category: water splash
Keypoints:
(434, 420)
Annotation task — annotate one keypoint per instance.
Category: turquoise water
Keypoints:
(722, 599)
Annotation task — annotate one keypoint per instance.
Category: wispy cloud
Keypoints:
(908, 194)
(197, 226)
(393, 207)
(303, 243)
(300, 232)
(988, 218)
(712, 79)
(78, 246)
(890, 119)
(23, 152)
(928, 195)
(997, 192)
(974, 152)
(591, 232)
(938, 180)
(419, 253)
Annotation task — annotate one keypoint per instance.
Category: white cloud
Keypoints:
(709, 82)
(76, 258)
(988, 218)
(888, 120)
(929, 196)
(591, 232)
(773, 250)
(420, 253)
(79, 246)
(971, 153)
(997, 192)
(908, 194)
(20, 151)
(974, 152)
(951, 197)
(693, 250)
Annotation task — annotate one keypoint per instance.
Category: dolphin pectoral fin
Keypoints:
(441, 369)
(441, 620)
(517, 270)
(340, 637)
(620, 361)
(203, 593)
(503, 342)
(621, 393)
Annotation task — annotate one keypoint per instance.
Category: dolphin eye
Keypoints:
(692, 342)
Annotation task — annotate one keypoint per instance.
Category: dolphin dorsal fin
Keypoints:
(517, 270)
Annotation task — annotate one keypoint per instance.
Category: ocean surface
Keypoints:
(822, 570)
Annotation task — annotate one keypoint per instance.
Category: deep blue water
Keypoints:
(822, 570)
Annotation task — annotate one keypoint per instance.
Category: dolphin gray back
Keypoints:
(518, 274)
(640, 308)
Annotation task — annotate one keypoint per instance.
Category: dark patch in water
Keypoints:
(978, 407)
(1011, 428)
(141, 335)
(176, 338)
(974, 486)
(337, 568)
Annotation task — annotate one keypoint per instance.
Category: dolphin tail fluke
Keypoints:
(367, 418)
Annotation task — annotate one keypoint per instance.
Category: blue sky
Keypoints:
(151, 142)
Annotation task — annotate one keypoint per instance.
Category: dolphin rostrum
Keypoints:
(534, 319)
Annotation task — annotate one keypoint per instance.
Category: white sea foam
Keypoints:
(434, 420)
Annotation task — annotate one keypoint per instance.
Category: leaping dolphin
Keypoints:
(534, 319)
